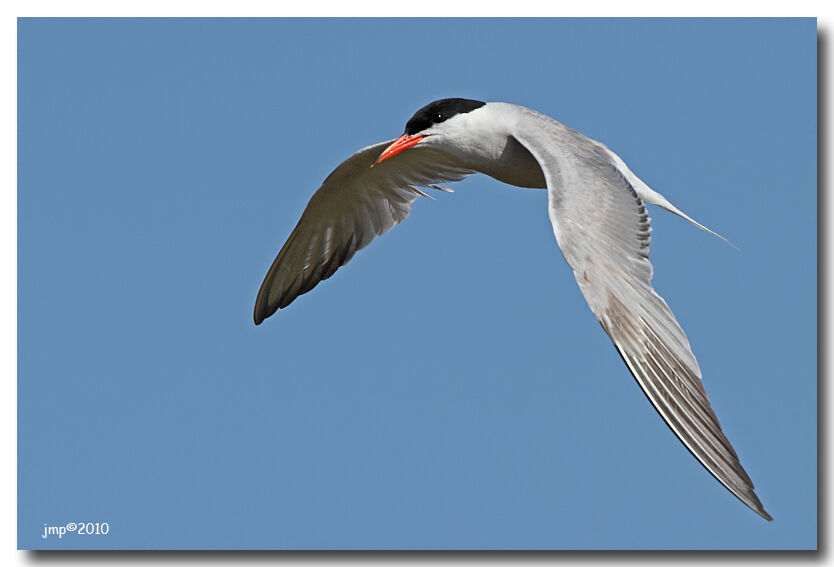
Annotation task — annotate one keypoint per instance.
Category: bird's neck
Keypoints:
(484, 143)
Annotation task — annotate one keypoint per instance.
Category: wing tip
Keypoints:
(262, 312)
(742, 488)
(753, 502)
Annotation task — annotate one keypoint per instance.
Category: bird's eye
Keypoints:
(439, 116)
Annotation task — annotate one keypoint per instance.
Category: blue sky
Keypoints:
(449, 388)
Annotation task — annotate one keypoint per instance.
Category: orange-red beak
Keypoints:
(402, 143)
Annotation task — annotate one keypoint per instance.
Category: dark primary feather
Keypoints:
(355, 204)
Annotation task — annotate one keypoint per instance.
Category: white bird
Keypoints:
(596, 206)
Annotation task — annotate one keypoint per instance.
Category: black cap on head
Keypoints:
(439, 111)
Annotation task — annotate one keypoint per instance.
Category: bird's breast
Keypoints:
(510, 163)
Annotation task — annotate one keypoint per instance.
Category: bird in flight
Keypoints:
(596, 206)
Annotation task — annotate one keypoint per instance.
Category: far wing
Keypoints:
(603, 231)
(355, 204)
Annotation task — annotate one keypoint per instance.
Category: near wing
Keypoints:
(355, 203)
(603, 231)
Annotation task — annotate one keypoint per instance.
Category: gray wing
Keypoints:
(355, 204)
(603, 231)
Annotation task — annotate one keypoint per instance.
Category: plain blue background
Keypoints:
(449, 388)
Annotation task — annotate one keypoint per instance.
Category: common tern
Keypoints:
(596, 206)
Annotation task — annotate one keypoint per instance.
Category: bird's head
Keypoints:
(432, 124)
